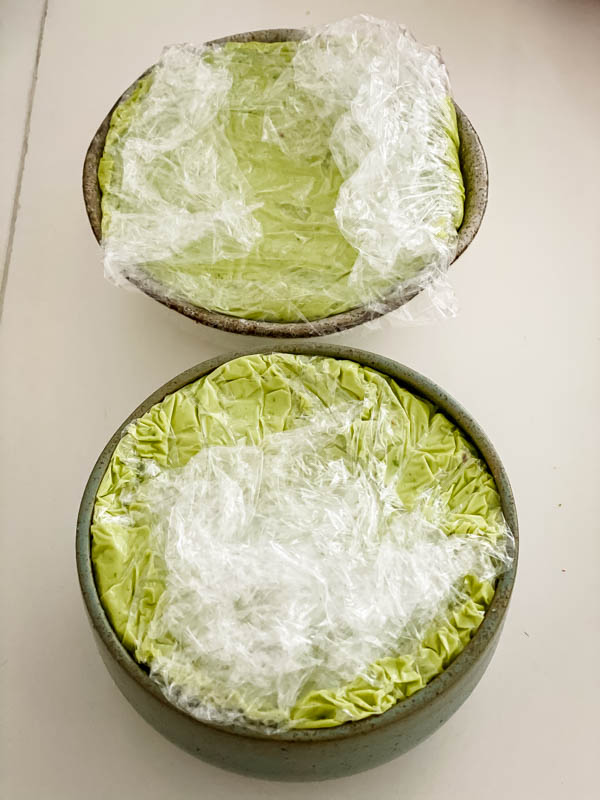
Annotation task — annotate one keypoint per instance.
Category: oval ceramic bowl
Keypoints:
(302, 755)
(475, 178)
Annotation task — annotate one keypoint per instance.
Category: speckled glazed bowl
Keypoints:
(318, 754)
(475, 178)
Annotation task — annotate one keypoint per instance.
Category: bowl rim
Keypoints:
(457, 669)
(474, 210)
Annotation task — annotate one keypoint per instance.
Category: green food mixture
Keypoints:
(242, 402)
(301, 267)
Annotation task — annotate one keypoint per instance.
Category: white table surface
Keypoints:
(78, 355)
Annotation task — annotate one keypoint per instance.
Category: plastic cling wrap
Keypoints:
(296, 541)
(287, 181)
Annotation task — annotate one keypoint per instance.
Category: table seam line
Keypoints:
(22, 158)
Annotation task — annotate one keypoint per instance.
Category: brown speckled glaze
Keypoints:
(475, 177)
(305, 755)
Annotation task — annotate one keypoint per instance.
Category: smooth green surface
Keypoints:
(240, 402)
(301, 268)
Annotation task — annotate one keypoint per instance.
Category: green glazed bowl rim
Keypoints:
(453, 674)
(476, 194)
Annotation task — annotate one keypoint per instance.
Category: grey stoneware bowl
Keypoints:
(304, 755)
(475, 177)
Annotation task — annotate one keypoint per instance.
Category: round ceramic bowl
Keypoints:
(475, 177)
(303, 755)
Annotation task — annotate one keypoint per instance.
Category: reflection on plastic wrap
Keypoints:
(288, 181)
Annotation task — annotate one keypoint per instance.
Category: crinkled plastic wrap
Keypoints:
(287, 181)
(296, 541)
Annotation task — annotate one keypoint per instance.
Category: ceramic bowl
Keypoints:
(475, 177)
(303, 755)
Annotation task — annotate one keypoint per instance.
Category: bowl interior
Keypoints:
(411, 380)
